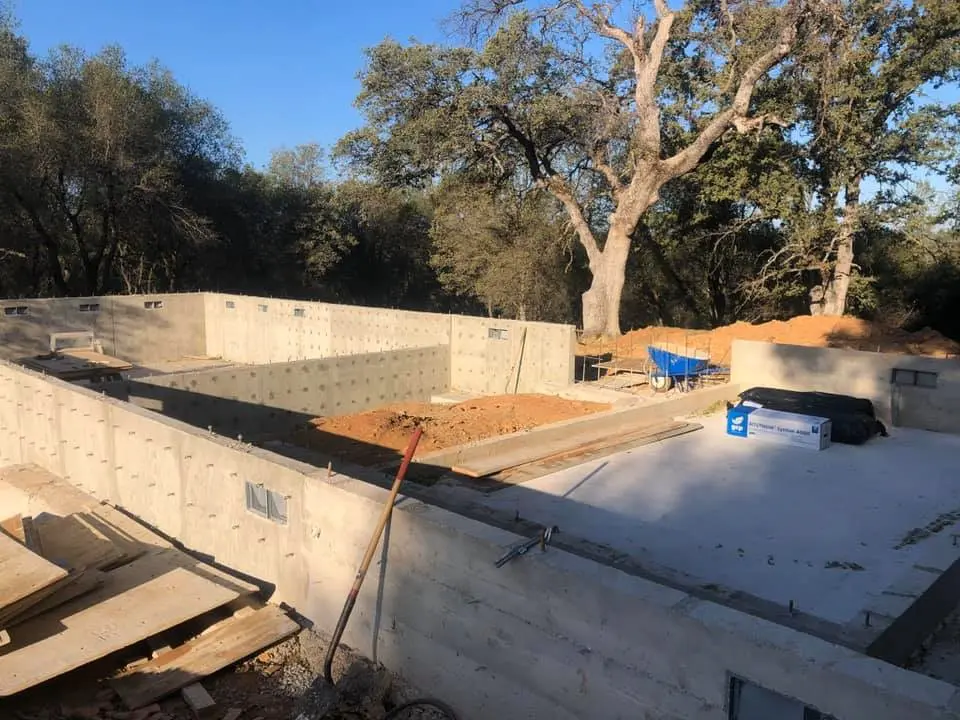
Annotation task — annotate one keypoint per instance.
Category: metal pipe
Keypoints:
(368, 557)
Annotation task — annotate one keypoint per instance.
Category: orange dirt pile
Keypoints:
(838, 332)
(375, 436)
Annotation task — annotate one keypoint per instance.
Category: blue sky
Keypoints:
(282, 72)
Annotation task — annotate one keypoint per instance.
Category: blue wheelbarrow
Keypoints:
(672, 365)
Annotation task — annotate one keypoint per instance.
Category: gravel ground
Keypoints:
(283, 683)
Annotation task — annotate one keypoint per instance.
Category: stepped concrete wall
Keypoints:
(553, 635)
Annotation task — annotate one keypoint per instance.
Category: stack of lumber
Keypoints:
(78, 588)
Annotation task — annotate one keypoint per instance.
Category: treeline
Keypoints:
(497, 180)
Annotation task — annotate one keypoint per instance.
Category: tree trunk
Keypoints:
(830, 298)
(601, 303)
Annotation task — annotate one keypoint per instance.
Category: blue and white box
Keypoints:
(781, 427)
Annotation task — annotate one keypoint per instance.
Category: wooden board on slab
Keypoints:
(224, 644)
(79, 583)
(23, 574)
(497, 462)
(13, 526)
(85, 540)
(153, 593)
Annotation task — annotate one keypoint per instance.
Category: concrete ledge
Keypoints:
(550, 635)
(584, 429)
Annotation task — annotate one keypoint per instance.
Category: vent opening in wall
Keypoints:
(497, 333)
(266, 503)
(914, 378)
(230, 304)
(153, 304)
(14, 310)
(748, 701)
(262, 308)
(89, 307)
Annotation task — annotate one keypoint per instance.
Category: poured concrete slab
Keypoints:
(827, 530)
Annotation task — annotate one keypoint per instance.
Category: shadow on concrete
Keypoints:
(275, 429)
(899, 407)
(585, 367)
(126, 331)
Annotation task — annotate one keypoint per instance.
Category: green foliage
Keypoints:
(508, 251)
(474, 161)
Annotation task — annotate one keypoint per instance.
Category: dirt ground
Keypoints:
(282, 683)
(376, 436)
(843, 332)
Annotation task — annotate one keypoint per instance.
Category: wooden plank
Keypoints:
(199, 701)
(81, 583)
(85, 540)
(226, 643)
(10, 613)
(629, 365)
(153, 593)
(13, 526)
(23, 573)
(494, 463)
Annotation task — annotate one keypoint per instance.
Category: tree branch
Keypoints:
(557, 187)
(605, 169)
(526, 144)
(736, 115)
(49, 242)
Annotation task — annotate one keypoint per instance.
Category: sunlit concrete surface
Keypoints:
(825, 529)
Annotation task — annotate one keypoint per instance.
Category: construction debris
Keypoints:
(199, 701)
(78, 588)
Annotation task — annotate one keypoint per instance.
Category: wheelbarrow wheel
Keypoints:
(660, 383)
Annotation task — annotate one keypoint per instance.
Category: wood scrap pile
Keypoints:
(87, 586)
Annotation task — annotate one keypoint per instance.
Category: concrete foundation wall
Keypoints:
(269, 399)
(123, 324)
(551, 635)
(485, 353)
(853, 372)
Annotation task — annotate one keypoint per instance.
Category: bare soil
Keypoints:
(837, 332)
(377, 436)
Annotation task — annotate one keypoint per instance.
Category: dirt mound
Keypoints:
(377, 435)
(839, 332)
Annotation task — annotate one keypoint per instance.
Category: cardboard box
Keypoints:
(781, 427)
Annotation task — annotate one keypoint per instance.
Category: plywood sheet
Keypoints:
(85, 540)
(23, 573)
(153, 593)
(228, 642)
(13, 526)
(76, 584)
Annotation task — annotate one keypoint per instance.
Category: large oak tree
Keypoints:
(567, 97)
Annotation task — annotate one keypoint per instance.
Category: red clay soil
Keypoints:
(375, 436)
(838, 332)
